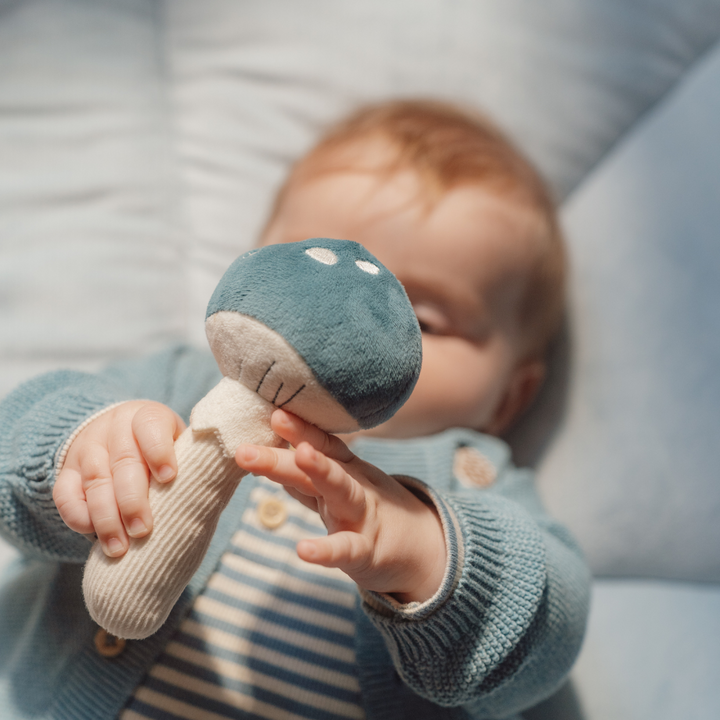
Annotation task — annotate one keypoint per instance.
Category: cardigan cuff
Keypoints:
(387, 605)
(476, 632)
(41, 415)
(63, 402)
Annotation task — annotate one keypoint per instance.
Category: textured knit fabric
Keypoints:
(501, 633)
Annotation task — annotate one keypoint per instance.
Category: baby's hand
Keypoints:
(103, 485)
(379, 533)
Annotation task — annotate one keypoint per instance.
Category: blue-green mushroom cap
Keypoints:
(340, 309)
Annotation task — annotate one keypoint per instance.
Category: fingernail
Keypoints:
(285, 417)
(165, 473)
(137, 527)
(308, 549)
(114, 547)
(249, 454)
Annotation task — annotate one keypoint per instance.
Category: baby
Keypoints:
(471, 597)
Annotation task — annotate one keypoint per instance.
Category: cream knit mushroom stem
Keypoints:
(132, 596)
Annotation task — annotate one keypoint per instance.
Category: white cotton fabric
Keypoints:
(91, 247)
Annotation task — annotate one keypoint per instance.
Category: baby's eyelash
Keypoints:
(430, 328)
(431, 320)
(427, 329)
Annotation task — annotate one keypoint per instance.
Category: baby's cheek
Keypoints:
(456, 384)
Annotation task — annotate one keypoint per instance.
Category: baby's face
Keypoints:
(463, 263)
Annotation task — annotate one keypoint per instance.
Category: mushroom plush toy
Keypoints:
(319, 328)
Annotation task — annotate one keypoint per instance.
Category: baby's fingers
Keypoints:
(156, 427)
(296, 431)
(344, 497)
(131, 483)
(275, 464)
(346, 550)
(134, 451)
(70, 501)
(101, 503)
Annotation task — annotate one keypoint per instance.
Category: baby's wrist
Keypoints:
(428, 543)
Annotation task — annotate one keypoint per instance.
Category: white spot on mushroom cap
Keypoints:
(323, 255)
(367, 267)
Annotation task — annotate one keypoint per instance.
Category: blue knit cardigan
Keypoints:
(500, 636)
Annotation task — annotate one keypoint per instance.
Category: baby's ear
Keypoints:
(522, 388)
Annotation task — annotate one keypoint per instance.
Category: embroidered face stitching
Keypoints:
(294, 395)
(262, 379)
(277, 392)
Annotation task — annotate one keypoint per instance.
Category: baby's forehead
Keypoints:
(373, 151)
(382, 160)
(477, 222)
(491, 242)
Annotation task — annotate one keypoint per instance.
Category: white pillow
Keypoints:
(91, 250)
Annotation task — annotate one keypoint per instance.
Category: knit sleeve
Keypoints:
(37, 419)
(504, 629)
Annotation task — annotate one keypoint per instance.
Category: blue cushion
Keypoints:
(633, 469)
(651, 653)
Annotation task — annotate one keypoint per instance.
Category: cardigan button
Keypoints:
(472, 468)
(272, 513)
(108, 645)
